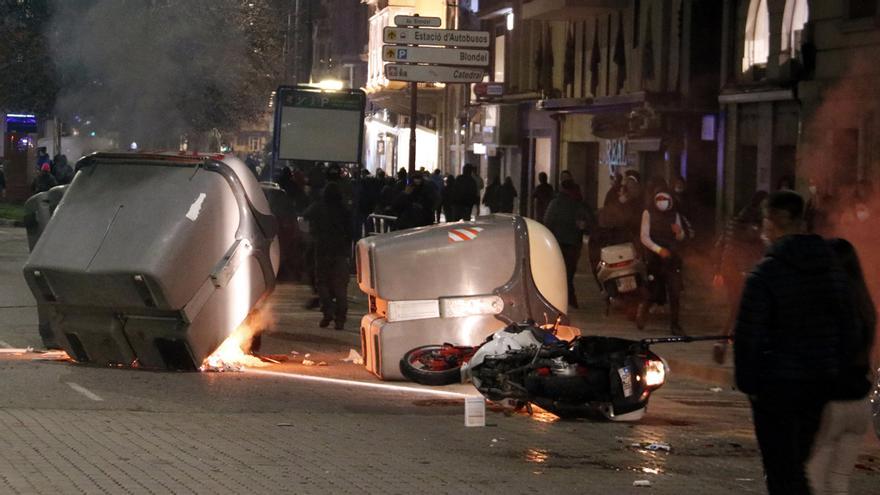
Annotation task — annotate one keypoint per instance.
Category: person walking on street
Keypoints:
(573, 188)
(542, 196)
(466, 193)
(567, 219)
(330, 224)
(447, 199)
(846, 417)
(796, 326)
(492, 196)
(738, 250)
(661, 233)
(506, 196)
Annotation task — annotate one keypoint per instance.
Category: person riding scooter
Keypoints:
(661, 233)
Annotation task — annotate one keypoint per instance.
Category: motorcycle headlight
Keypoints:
(655, 373)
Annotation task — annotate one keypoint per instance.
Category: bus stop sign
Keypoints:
(318, 125)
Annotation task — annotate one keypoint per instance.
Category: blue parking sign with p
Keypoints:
(401, 53)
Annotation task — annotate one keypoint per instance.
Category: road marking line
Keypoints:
(5, 344)
(338, 381)
(88, 393)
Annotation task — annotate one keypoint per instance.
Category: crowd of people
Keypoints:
(51, 172)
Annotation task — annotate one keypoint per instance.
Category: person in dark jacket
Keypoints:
(492, 196)
(567, 218)
(448, 200)
(796, 325)
(542, 196)
(467, 192)
(330, 224)
(506, 196)
(414, 207)
(661, 234)
(845, 419)
(45, 180)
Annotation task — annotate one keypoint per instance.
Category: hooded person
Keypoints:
(506, 196)
(661, 232)
(491, 198)
(45, 180)
(330, 225)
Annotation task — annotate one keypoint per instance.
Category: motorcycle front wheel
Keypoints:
(432, 365)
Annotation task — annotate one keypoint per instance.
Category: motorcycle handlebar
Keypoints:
(683, 339)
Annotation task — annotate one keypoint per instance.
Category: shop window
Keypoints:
(757, 41)
(862, 8)
(797, 13)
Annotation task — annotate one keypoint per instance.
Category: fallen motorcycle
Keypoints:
(527, 364)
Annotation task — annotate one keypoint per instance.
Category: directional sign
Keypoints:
(439, 37)
(489, 89)
(433, 73)
(430, 55)
(414, 20)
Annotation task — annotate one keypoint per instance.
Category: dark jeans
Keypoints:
(666, 284)
(332, 275)
(786, 429)
(570, 255)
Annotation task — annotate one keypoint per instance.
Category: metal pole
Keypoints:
(413, 102)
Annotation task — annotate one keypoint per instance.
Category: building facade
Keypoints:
(798, 103)
(601, 87)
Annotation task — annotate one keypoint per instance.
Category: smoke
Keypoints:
(836, 133)
(153, 69)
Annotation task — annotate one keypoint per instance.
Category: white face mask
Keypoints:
(663, 205)
(622, 199)
(863, 214)
(813, 189)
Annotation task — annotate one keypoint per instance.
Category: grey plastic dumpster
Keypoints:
(455, 282)
(152, 260)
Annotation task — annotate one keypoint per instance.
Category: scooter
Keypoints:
(526, 364)
(621, 275)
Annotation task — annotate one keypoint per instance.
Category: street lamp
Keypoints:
(330, 84)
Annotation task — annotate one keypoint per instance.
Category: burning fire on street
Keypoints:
(236, 352)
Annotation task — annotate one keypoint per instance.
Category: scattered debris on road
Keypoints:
(642, 483)
(353, 357)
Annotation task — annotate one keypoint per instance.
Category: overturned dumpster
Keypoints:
(152, 260)
(455, 282)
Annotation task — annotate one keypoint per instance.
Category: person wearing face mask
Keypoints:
(661, 232)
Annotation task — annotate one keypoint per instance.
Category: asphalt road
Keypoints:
(67, 428)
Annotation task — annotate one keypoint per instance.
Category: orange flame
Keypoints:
(235, 352)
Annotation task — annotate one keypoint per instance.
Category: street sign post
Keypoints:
(433, 73)
(417, 21)
(431, 55)
(438, 37)
(413, 53)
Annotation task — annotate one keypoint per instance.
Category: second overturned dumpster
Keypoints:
(455, 282)
(153, 260)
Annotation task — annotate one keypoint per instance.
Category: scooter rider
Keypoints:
(661, 233)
